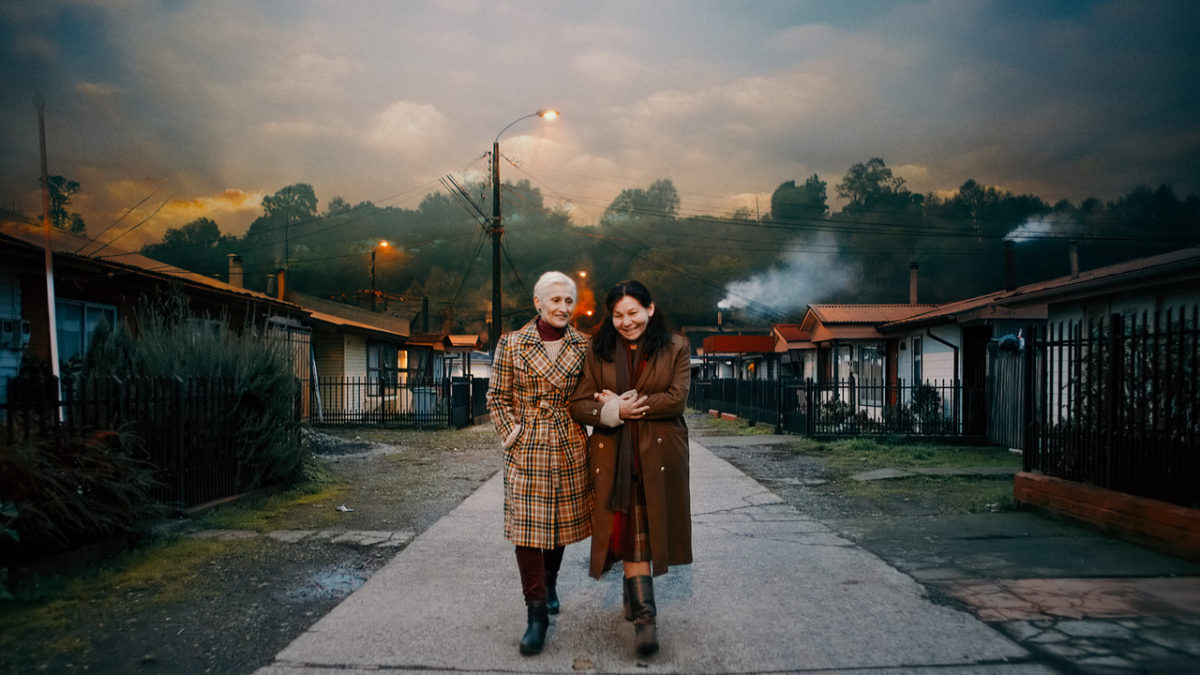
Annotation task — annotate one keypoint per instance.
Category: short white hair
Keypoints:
(552, 278)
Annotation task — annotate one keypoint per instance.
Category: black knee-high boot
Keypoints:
(553, 558)
(641, 605)
(531, 565)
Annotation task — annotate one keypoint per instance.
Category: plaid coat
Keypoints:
(547, 493)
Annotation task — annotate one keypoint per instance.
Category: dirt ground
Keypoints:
(230, 604)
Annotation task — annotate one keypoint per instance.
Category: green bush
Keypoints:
(68, 490)
(258, 414)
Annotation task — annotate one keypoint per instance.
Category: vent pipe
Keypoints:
(1010, 266)
(1074, 253)
(281, 284)
(236, 271)
(912, 283)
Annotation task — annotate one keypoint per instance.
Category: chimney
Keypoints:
(1010, 265)
(1074, 253)
(236, 271)
(281, 284)
(912, 283)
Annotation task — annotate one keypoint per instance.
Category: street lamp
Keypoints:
(381, 244)
(497, 229)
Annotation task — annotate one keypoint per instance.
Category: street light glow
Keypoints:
(547, 114)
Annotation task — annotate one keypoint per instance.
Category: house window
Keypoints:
(382, 359)
(870, 374)
(916, 361)
(77, 322)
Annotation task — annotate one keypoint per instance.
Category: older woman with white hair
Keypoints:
(547, 491)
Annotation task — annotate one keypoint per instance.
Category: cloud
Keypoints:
(409, 128)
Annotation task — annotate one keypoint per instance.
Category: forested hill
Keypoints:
(759, 268)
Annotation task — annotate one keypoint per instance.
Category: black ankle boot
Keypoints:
(641, 604)
(535, 633)
(625, 602)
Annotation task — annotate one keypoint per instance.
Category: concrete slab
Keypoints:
(771, 591)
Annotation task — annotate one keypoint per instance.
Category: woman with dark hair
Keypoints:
(633, 391)
(547, 495)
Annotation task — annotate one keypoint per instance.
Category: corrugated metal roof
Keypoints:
(1187, 259)
(68, 244)
(791, 332)
(869, 314)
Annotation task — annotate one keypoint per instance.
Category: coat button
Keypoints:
(597, 469)
(601, 445)
(660, 441)
(662, 469)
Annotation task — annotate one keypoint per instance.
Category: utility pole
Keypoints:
(497, 232)
(51, 314)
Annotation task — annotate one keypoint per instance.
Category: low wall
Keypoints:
(1158, 525)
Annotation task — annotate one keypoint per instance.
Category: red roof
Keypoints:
(791, 332)
(739, 344)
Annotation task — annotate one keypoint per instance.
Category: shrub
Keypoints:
(65, 491)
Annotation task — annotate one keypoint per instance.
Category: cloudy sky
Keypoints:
(168, 110)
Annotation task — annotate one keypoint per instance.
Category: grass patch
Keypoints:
(723, 427)
(277, 511)
(851, 455)
(161, 571)
(943, 494)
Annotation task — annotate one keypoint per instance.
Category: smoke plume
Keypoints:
(805, 276)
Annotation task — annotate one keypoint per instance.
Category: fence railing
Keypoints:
(1116, 403)
(847, 407)
(378, 402)
(180, 426)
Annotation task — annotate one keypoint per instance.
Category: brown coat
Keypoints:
(663, 452)
(547, 495)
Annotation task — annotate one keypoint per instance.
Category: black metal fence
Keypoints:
(1115, 402)
(457, 402)
(848, 407)
(181, 427)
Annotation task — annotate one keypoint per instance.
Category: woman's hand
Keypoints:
(631, 405)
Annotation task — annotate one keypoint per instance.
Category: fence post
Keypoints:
(810, 408)
(1027, 403)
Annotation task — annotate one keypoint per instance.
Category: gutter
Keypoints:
(929, 332)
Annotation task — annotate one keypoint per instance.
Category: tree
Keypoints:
(790, 203)
(294, 202)
(61, 191)
(872, 185)
(660, 199)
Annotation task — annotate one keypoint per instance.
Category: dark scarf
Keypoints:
(620, 495)
(549, 333)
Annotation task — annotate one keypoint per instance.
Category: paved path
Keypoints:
(771, 591)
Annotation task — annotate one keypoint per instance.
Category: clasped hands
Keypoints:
(630, 405)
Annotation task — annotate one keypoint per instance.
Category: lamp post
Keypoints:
(497, 229)
(381, 244)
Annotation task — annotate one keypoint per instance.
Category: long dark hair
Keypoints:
(658, 330)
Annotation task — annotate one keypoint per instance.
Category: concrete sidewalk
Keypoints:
(771, 591)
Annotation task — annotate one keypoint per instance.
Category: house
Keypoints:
(796, 353)
(1112, 413)
(847, 340)
(95, 282)
(743, 357)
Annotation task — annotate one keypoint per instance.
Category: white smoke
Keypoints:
(1043, 227)
(802, 278)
